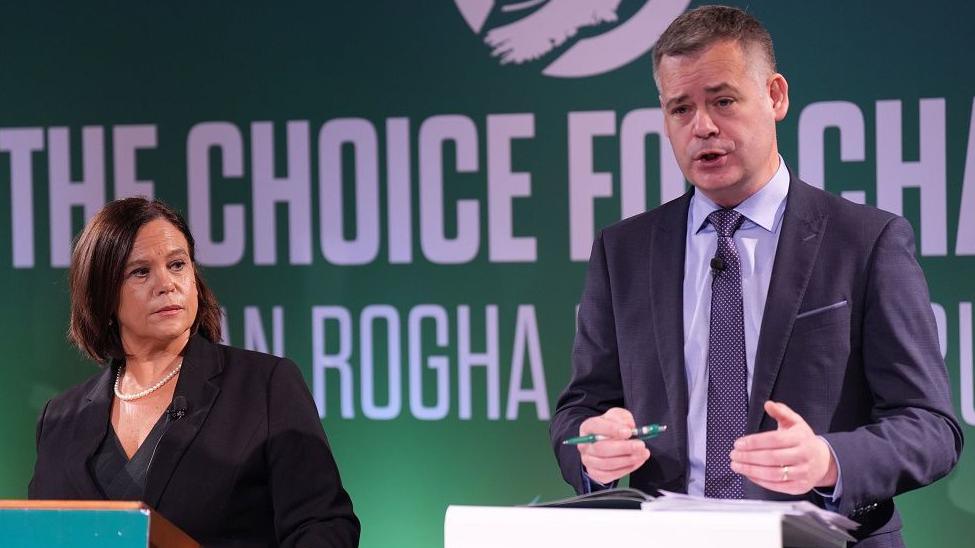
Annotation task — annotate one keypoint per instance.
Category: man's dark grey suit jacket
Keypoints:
(867, 374)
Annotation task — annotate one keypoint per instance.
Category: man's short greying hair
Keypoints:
(702, 27)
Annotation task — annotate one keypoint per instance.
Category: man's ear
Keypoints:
(778, 90)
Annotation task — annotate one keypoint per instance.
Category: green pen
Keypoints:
(641, 433)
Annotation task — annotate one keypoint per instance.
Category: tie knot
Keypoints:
(726, 221)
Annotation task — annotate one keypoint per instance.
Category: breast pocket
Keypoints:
(815, 359)
(821, 316)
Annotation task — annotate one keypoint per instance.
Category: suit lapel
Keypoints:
(667, 250)
(803, 224)
(201, 362)
(93, 420)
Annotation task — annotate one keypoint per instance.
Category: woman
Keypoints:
(225, 443)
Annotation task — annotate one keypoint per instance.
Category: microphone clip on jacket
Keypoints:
(177, 409)
(717, 265)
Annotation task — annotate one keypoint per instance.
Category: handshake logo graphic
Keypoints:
(573, 38)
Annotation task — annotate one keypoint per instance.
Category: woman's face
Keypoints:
(158, 299)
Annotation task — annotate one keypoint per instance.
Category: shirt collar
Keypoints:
(761, 208)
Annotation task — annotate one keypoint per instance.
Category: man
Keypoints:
(784, 335)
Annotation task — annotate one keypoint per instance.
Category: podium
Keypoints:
(75, 523)
(522, 527)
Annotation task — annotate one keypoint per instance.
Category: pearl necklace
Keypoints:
(147, 391)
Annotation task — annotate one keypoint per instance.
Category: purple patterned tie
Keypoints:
(727, 370)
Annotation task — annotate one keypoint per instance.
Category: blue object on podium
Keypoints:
(83, 524)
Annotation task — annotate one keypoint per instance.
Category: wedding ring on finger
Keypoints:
(785, 473)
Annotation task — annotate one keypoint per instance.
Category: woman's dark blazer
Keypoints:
(246, 465)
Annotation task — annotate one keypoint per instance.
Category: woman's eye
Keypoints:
(177, 265)
(140, 272)
(725, 102)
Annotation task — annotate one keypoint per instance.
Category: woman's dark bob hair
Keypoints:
(98, 268)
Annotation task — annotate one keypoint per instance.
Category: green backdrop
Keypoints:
(400, 196)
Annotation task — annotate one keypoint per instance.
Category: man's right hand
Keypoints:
(611, 459)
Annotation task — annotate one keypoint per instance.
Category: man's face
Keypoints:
(720, 108)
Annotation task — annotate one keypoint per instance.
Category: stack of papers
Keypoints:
(800, 518)
(622, 498)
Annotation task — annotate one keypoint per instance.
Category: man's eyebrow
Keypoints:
(710, 90)
(723, 86)
(678, 99)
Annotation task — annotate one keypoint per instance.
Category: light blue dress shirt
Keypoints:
(756, 240)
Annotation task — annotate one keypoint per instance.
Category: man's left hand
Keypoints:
(790, 459)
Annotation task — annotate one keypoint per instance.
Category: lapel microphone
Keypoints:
(717, 266)
(177, 409)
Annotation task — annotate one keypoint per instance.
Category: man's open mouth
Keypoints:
(710, 156)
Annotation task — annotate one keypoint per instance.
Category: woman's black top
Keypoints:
(247, 464)
(122, 478)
